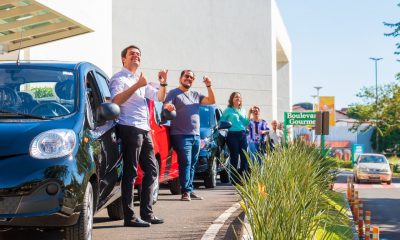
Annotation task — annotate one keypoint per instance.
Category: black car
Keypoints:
(214, 154)
(60, 158)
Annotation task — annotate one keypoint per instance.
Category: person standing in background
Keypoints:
(236, 139)
(276, 134)
(185, 128)
(258, 135)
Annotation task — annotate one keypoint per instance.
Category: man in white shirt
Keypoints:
(129, 89)
(276, 134)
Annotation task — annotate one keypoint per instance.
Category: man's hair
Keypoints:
(125, 50)
(230, 101)
(185, 71)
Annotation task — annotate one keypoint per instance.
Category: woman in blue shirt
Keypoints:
(236, 139)
(258, 135)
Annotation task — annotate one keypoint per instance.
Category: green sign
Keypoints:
(300, 118)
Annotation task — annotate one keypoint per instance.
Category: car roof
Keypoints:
(55, 64)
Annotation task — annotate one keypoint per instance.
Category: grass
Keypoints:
(336, 231)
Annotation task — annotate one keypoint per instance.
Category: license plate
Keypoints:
(374, 178)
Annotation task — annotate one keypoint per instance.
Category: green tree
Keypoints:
(385, 115)
(395, 32)
(42, 92)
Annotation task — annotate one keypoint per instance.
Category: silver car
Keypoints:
(372, 167)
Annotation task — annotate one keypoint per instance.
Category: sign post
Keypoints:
(298, 119)
(356, 149)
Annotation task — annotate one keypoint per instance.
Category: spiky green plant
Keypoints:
(287, 196)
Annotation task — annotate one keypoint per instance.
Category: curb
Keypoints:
(350, 216)
(236, 228)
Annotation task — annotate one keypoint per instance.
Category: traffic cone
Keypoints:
(375, 233)
(367, 225)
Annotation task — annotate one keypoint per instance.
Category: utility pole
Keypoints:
(376, 102)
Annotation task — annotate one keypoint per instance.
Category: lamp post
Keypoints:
(322, 136)
(376, 101)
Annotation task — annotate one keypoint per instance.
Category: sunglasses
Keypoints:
(189, 76)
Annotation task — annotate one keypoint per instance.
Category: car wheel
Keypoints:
(356, 180)
(175, 186)
(210, 179)
(224, 176)
(389, 182)
(82, 230)
(115, 210)
(156, 189)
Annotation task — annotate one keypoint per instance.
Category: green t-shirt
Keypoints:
(237, 117)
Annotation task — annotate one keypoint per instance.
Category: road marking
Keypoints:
(367, 186)
(213, 230)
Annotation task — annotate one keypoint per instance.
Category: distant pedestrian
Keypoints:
(236, 138)
(276, 134)
(129, 90)
(185, 128)
(258, 138)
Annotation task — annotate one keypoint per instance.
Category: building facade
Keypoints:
(242, 45)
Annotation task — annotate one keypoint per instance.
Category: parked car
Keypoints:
(372, 167)
(214, 154)
(166, 157)
(60, 159)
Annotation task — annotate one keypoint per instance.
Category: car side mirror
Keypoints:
(107, 111)
(224, 125)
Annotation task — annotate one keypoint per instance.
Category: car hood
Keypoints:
(16, 137)
(205, 132)
(374, 166)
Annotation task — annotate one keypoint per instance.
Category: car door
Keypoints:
(106, 153)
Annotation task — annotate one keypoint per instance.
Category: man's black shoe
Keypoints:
(154, 220)
(137, 222)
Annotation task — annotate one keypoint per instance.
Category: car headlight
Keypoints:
(365, 170)
(384, 170)
(53, 144)
(204, 142)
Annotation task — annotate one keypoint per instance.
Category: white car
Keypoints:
(372, 167)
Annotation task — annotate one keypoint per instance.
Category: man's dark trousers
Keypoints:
(137, 146)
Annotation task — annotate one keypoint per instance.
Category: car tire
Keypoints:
(115, 210)
(356, 180)
(224, 176)
(156, 190)
(175, 186)
(389, 182)
(210, 178)
(82, 230)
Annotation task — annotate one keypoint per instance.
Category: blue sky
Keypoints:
(332, 42)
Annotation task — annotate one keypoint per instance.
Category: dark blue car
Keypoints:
(214, 154)
(60, 159)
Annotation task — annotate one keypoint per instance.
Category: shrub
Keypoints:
(287, 196)
(42, 92)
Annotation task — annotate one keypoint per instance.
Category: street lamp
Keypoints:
(318, 88)
(376, 100)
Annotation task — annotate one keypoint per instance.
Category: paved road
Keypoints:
(383, 201)
(184, 220)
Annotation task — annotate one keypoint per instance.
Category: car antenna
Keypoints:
(20, 38)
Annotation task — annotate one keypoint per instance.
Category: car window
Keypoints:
(372, 159)
(94, 97)
(205, 117)
(103, 86)
(36, 91)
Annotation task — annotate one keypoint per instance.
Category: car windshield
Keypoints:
(372, 159)
(205, 118)
(33, 92)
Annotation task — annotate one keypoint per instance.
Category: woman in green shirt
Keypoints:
(236, 139)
